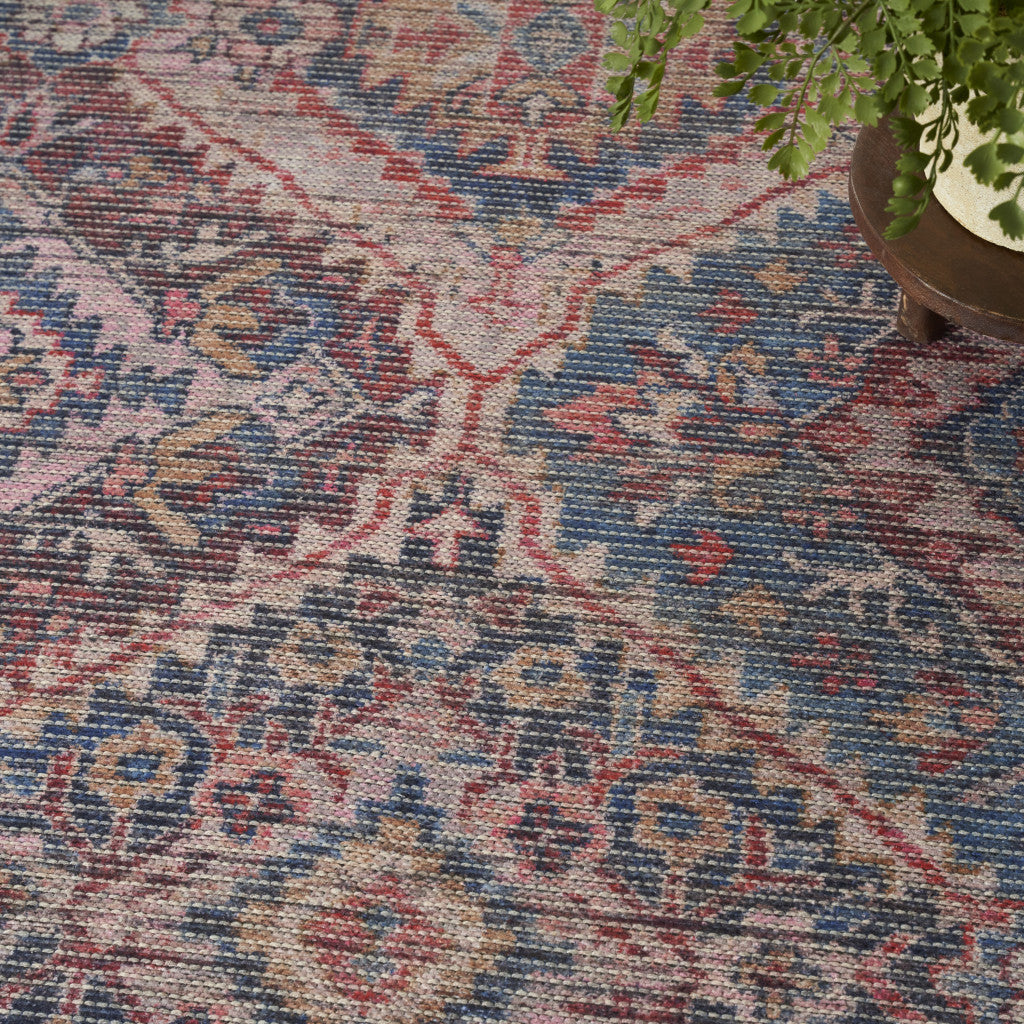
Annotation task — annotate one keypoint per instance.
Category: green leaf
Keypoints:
(906, 185)
(832, 19)
(1005, 180)
(811, 22)
(984, 163)
(647, 105)
(764, 95)
(605, 6)
(1011, 120)
(933, 19)
(893, 88)
(817, 129)
(692, 27)
(981, 107)
(620, 33)
(983, 111)
(748, 60)
(919, 45)
(614, 84)
(753, 21)
(901, 205)
(988, 78)
(886, 64)
(615, 61)
(788, 21)
(915, 99)
(1010, 152)
(867, 19)
(770, 122)
(774, 139)
(789, 162)
(873, 42)
(908, 132)
(835, 109)
(953, 71)
(645, 69)
(675, 33)
(1010, 217)
(900, 226)
(867, 109)
(970, 51)
(620, 109)
(913, 162)
(972, 24)
(727, 88)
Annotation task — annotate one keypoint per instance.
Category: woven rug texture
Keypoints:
(459, 565)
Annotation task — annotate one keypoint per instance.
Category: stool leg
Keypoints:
(918, 323)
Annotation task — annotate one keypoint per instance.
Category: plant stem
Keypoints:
(830, 42)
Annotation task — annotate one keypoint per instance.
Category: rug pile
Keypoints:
(457, 565)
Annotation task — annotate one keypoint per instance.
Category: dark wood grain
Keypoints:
(945, 271)
(917, 322)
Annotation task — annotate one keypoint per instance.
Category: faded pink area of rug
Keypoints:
(460, 566)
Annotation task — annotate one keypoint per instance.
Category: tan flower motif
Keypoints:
(380, 933)
(143, 763)
(311, 655)
(541, 677)
(711, 814)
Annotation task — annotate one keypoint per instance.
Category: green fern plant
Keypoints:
(815, 64)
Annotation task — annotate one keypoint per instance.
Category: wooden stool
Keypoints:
(945, 272)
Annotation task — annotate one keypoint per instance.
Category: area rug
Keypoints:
(458, 565)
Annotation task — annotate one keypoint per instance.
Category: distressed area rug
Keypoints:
(456, 565)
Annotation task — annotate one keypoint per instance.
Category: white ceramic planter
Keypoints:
(965, 199)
